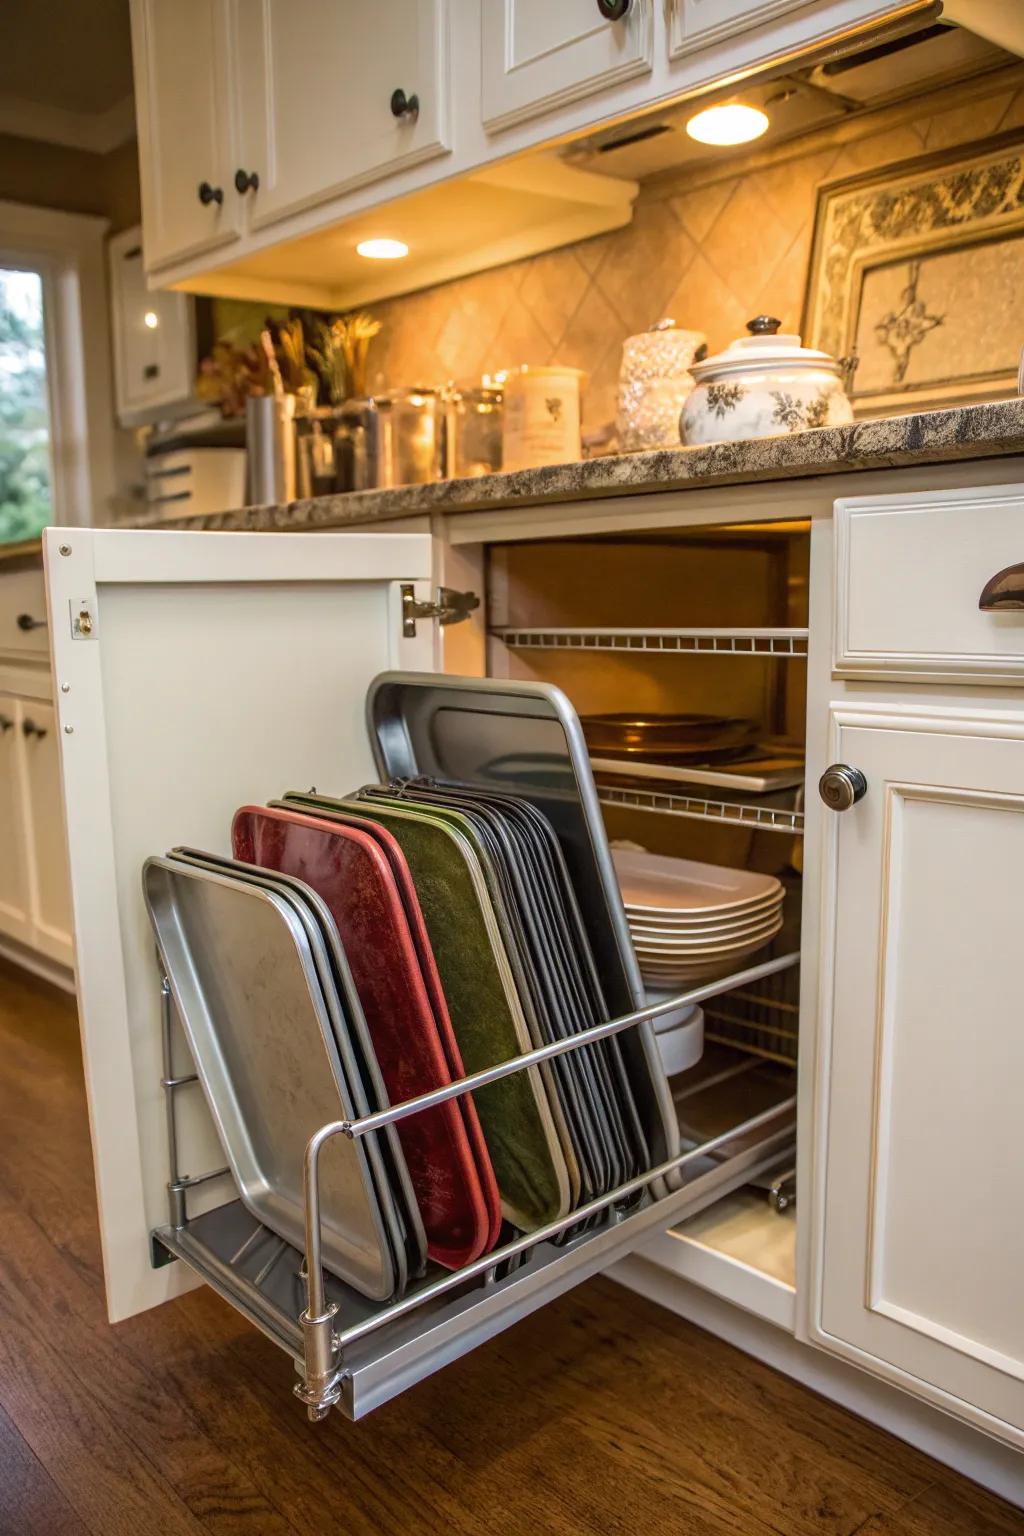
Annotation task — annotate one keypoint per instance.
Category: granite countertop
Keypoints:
(925, 437)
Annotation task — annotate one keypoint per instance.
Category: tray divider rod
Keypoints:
(481, 1079)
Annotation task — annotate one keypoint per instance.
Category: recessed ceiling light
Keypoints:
(151, 319)
(383, 250)
(730, 124)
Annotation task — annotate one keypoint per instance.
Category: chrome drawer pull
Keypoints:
(1004, 592)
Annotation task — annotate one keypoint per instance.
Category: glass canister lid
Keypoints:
(765, 347)
(666, 350)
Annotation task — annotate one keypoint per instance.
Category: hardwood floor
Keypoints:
(601, 1414)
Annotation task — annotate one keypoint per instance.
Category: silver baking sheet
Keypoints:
(525, 739)
(387, 1161)
(251, 1005)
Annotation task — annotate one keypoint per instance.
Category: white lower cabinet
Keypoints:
(35, 900)
(918, 1233)
(15, 917)
(48, 860)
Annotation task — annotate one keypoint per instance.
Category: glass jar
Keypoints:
(473, 425)
(654, 382)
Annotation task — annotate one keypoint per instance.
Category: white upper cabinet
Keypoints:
(186, 142)
(917, 1230)
(697, 24)
(336, 93)
(154, 340)
(538, 56)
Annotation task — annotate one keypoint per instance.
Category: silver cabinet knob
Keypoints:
(841, 786)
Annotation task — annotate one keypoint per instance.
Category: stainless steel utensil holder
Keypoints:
(363, 1361)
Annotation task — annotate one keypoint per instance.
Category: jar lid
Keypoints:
(764, 348)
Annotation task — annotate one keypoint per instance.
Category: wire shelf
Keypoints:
(760, 818)
(762, 1019)
(785, 643)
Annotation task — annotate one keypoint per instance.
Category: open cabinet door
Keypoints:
(194, 672)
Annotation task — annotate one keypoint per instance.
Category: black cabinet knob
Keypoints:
(26, 621)
(208, 194)
(6, 724)
(403, 105)
(614, 10)
(247, 181)
(29, 728)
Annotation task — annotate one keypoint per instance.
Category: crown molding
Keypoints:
(96, 132)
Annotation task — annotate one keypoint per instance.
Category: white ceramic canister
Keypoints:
(654, 381)
(764, 385)
(542, 417)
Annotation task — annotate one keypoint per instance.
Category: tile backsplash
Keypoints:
(710, 248)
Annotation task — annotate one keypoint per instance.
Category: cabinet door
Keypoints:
(154, 340)
(15, 917)
(219, 669)
(537, 56)
(699, 23)
(317, 78)
(918, 1236)
(44, 818)
(186, 142)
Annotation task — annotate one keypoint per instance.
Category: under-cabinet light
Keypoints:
(732, 123)
(382, 250)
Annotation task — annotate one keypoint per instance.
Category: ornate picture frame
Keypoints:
(919, 270)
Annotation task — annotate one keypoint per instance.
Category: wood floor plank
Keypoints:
(960, 1510)
(600, 1414)
(128, 1389)
(30, 1501)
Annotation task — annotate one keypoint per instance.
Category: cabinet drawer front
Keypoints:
(22, 593)
(918, 1233)
(909, 575)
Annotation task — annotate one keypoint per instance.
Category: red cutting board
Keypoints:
(348, 870)
(417, 924)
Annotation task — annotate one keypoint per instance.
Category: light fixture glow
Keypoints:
(732, 123)
(151, 319)
(383, 250)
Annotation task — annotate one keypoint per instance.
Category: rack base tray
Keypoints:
(261, 1276)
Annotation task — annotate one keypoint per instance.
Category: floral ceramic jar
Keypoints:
(654, 381)
(763, 385)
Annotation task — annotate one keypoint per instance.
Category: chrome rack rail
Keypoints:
(339, 1364)
(760, 818)
(785, 643)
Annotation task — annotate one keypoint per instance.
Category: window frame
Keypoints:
(67, 250)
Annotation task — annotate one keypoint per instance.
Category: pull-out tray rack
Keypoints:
(357, 1354)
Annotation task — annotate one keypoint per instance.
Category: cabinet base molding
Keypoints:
(40, 965)
(968, 1451)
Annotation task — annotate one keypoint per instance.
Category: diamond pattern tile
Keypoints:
(710, 255)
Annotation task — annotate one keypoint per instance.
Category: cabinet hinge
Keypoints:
(449, 607)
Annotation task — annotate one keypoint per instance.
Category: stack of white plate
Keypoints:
(695, 922)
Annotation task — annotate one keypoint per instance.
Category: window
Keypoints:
(26, 473)
(57, 443)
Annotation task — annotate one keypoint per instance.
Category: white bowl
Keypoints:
(681, 1045)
